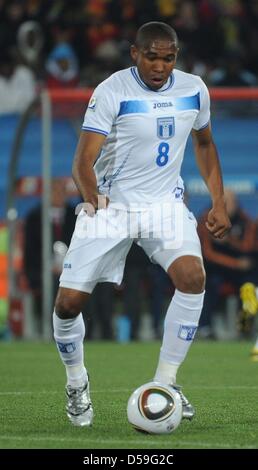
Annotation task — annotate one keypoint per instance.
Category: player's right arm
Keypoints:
(87, 151)
(100, 115)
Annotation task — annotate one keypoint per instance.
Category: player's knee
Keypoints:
(192, 279)
(67, 306)
(198, 280)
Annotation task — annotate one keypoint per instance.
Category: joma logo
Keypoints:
(165, 104)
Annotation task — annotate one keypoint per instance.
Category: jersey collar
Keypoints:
(169, 83)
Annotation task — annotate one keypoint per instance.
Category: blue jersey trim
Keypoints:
(133, 106)
(203, 127)
(135, 75)
(188, 102)
(93, 129)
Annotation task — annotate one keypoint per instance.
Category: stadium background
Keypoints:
(96, 35)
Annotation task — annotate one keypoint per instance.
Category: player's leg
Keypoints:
(181, 321)
(183, 263)
(92, 257)
(69, 332)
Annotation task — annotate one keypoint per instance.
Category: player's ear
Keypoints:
(134, 52)
(177, 51)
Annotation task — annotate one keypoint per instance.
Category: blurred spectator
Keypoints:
(188, 62)
(254, 237)
(63, 221)
(17, 85)
(206, 28)
(62, 67)
(167, 8)
(228, 261)
(150, 286)
(232, 73)
(161, 290)
(12, 14)
(98, 312)
(30, 44)
(251, 35)
(143, 289)
(254, 351)
(249, 297)
(135, 271)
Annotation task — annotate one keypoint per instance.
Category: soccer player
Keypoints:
(249, 298)
(254, 352)
(127, 168)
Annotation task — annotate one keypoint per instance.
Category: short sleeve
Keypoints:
(203, 118)
(101, 112)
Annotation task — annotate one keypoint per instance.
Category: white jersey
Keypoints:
(146, 133)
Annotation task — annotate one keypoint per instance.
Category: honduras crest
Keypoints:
(166, 127)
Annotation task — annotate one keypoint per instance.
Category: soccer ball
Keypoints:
(155, 408)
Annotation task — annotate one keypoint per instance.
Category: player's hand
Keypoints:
(218, 222)
(94, 203)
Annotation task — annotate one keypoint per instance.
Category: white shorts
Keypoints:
(100, 244)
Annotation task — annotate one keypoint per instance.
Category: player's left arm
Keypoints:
(218, 222)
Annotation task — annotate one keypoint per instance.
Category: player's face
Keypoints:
(156, 62)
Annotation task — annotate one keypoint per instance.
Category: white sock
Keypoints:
(166, 372)
(179, 329)
(69, 335)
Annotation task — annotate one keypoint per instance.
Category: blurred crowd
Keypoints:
(62, 44)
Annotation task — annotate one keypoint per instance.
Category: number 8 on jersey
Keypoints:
(162, 157)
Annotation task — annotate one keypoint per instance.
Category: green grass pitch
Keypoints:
(217, 377)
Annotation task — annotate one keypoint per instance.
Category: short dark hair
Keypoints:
(148, 32)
